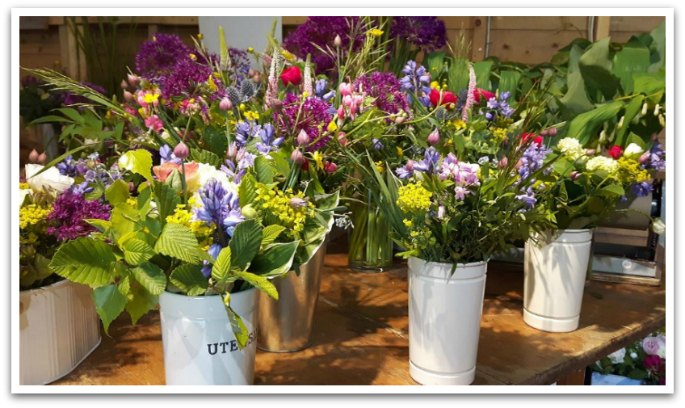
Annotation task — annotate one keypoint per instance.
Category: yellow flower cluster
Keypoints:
(203, 231)
(251, 115)
(499, 133)
(414, 198)
(629, 171)
(375, 32)
(292, 210)
(458, 124)
(32, 214)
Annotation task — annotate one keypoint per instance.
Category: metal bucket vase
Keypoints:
(554, 279)
(285, 324)
(58, 329)
(444, 321)
(199, 345)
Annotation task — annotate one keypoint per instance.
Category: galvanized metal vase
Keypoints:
(285, 325)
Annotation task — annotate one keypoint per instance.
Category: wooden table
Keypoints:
(360, 335)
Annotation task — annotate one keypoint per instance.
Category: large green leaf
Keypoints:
(117, 192)
(167, 199)
(585, 126)
(435, 62)
(221, 269)
(631, 109)
(509, 82)
(659, 47)
(151, 277)
(276, 260)
(247, 191)
(271, 233)
(189, 279)
(215, 140)
(264, 170)
(237, 325)
(247, 239)
(651, 85)
(205, 156)
(483, 69)
(137, 251)
(85, 261)
(600, 84)
(597, 54)
(141, 302)
(627, 62)
(259, 282)
(179, 242)
(109, 303)
(137, 161)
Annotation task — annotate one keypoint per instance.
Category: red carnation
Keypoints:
(291, 75)
(482, 93)
(447, 98)
(537, 139)
(615, 151)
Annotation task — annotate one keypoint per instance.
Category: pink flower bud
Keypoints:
(410, 165)
(337, 41)
(433, 137)
(181, 151)
(574, 175)
(504, 162)
(42, 158)
(342, 138)
(330, 167)
(33, 156)
(128, 96)
(225, 104)
(345, 89)
(133, 80)
(123, 84)
(232, 151)
(341, 111)
(303, 138)
(590, 152)
(297, 202)
(400, 119)
(131, 187)
(552, 131)
(297, 157)
(642, 160)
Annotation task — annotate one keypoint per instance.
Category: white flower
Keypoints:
(571, 148)
(49, 179)
(208, 172)
(602, 163)
(633, 355)
(617, 356)
(651, 345)
(658, 226)
(633, 151)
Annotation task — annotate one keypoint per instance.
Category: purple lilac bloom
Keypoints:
(320, 32)
(159, 56)
(267, 142)
(166, 154)
(429, 164)
(528, 198)
(642, 189)
(416, 82)
(70, 209)
(312, 116)
(427, 33)
(532, 160)
(213, 251)
(386, 89)
(219, 207)
(183, 78)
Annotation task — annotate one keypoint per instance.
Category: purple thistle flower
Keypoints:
(312, 116)
(386, 89)
(159, 56)
(219, 207)
(427, 33)
(70, 209)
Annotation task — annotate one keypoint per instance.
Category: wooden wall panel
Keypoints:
(528, 45)
(622, 28)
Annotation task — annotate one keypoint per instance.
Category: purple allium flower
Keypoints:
(66, 221)
(267, 141)
(219, 207)
(213, 251)
(312, 116)
(159, 56)
(429, 164)
(386, 89)
(181, 80)
(427, 33)
(320, 32)
(642, 189)
(532, 160)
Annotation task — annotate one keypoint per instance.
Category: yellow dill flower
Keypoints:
(32, 214)
(251, 115)
(318, 160)
(250, 49)
(242, 107)
(192, 56)
(285, 208)
(375, 32)
(202, 231)
(332, 126)
(305, 94)
(499, 133)
(407, 223)
(414, 198)
(629, 171)
(287, 55)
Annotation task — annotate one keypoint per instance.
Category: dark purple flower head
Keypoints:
(186, 74)
(70, 209)
(386, 89)
(427, 33)
(656, 158)
(313, 116)
(321, 31)
(159, 56)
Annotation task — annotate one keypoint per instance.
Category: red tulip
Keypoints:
(482, 93)
(537, 139)
(447, 98)
(291, 75)
(615, 151)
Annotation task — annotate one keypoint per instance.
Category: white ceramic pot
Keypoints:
(554, 279)
(444, 321)
(58, 329)
(199, 345)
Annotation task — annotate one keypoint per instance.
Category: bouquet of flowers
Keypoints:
(644, 360)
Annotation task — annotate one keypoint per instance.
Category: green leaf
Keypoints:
(259, 282)
(600, 82)
(215, 140)
(585, 126)
(85, 261)
(136, 251)
(245, 243)
(612, 190)
(627, 62)
(72, 114)
(140, 303)
(563, 166)
(509, 81)
(237, 326)
(659, 47)
(651, 85)
(264, 170)
(109, 303)
(435, 62)
(575, 100)
(271, 233)
(189, 279)
(137, 161)
(100, 225)
(205, 156)
(247, 191)
(328, 202)
(483, 69)
(458, 74)
(151, 277)
(167, 199)
(276, 260)
(632, 108)
(222, 266)
(178, 241)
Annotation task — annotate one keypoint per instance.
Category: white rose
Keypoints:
(633, 151)
(617, 356)
(49, 179)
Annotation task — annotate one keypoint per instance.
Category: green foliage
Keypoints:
(110, 301)
(138, 162)
(178, 241)
(85, 261)
(245, 244)
(189, 279)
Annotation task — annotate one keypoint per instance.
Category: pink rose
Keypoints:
(651, 345)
